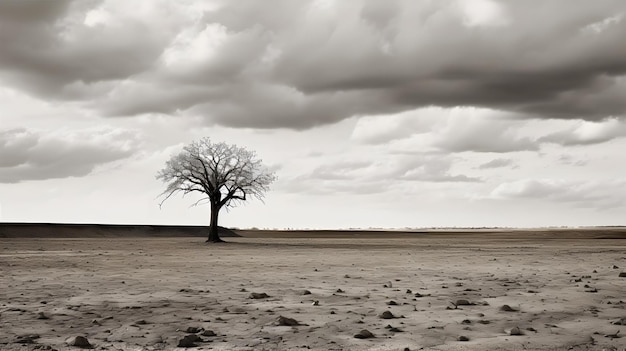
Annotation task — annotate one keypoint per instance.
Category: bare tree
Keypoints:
(224, 174)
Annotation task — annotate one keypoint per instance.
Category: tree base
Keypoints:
(215, 241)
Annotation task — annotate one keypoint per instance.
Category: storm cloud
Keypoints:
(244, 64)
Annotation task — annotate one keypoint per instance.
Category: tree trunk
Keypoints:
(214, 235)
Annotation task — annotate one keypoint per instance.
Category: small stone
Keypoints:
(26, 339)
(305, 292)
(42, 315)
(285, 321)
(392, 303)
(622, 275)
(516, 331)
(316, 303)
(189, 341)
(395, 330)
(193, 330)
(257, 296)
(463, 302)
(463, 338)
(507, 308)
(615, 267)
(466, 321)
(621, 321)
(141, 322)
(386, 315)
(78, 341)
(208, 333)
(339, 291)
(364, 334)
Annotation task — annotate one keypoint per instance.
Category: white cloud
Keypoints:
(497, 163)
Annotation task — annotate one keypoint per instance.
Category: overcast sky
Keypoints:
(373, 113)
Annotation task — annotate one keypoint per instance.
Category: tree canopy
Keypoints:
(223, 174)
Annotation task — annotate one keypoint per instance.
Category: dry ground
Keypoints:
(143, 293)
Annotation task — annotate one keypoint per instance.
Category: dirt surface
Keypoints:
(563, 292)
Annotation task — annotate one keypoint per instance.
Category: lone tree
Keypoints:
(224, 174)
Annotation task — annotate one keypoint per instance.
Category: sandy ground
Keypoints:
(144, 293)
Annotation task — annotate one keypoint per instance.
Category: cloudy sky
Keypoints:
(395, 113)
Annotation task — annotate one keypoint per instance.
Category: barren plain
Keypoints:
(442, 290)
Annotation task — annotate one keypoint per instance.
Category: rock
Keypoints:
(622, 275)
(516, 331)
(316, 303)
(42, 315)
(208, 333)
(305, 292)
(364, 334)
(463, 302)
(26, 339)
(257, 296)
(193, 330)
(392, 303)
(395, 330)
(339, 291)
(285, 321)
(615, 267)
(386, 315)
(463, 338)
(507, 308)
(621, 321)
(189, 341)
(78, 341)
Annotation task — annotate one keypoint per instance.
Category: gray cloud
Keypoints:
(246, 64)
(378, 176)
(598, 194)
(586, 133)
(32, 155)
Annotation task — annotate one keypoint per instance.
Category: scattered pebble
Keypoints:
(364, 334)
(621, 321)
(305, 292)
(257, 296)
(622, 275)
(516, 331)
(507, 308)
(193, 330)
(392, 303)
(463, 302)
(286, 321)
(189, 341)
(26, 339)
(463, 338)
(78, 341)
(208, 333)
(42, 315)
(386, 315)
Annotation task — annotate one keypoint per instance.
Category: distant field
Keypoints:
(47, 230)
